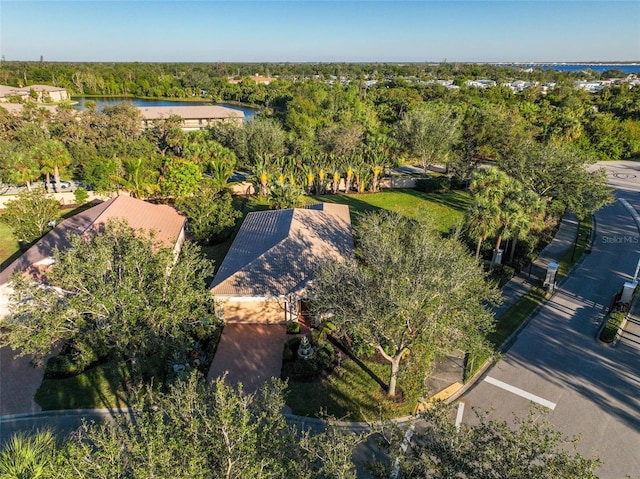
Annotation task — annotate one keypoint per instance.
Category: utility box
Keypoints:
(627, 292)
(497, 257)
(550, 279)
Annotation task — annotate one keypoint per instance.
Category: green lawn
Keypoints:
(351, 393)
(9, 249)
(444, 209)
(98, 387)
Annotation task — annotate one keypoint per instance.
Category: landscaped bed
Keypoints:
(107, 382)
(353, 392)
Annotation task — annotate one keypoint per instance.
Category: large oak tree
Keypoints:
(115, 292)
(409, 290)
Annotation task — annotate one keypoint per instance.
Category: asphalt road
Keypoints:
(589, 388)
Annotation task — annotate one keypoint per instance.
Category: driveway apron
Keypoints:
(249, 354)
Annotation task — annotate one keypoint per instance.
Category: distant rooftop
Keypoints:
(165, 221)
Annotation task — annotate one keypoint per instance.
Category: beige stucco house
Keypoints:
(167, 224)
(41, 93)
(264, 276)
(195, 117)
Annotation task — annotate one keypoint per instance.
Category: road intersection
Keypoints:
(588, 388)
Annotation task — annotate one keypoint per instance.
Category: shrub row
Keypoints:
(614, 321)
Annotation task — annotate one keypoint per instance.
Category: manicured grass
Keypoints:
(351, 393)
(516, 315)
(444, 209)
(9, 249)
(98, 387)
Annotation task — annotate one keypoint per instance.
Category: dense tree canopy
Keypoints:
(212, 430)
(487, 449)
(410, 292)
(115, 292)
(30, 215)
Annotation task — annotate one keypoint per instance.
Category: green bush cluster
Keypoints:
(293, 327)
(502, 274)
(70, 364)
(434, 184)
(296, 369)
(614, 321)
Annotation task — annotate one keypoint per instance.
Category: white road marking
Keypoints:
(403, 449)
(521, 392)
(459, 415)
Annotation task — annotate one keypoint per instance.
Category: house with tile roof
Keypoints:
(167, 225)
(196, 117)
(39, 93)
(266, 272)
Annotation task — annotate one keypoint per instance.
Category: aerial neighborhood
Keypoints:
(267, 268)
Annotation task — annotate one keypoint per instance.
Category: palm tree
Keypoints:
(261, 175)
(52, 156)
(220, 171)
(28, 456)
(311, 178)
(529, 217)
(336, 182)
(139, 180)
(480, 223)
(493, 202)
(349, 179)
(25, 168)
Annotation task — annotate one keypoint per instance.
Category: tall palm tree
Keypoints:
(529, 217)
(480, 223)
(52, 156)
(25, 168)
(139, 180)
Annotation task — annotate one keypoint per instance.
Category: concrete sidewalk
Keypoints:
(451, 369)
(631, 330)
(524, 281)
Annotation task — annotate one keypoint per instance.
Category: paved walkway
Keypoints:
(19, 382)
(249, 354)
(522, 283)
(631, 332)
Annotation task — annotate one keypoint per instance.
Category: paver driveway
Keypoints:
(250, 354)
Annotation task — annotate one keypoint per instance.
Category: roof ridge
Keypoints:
(95, 220)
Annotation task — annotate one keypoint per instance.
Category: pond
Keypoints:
(101, 102)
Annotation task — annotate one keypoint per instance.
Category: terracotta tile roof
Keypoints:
(276, 252)
(190, 112)
(164, 220)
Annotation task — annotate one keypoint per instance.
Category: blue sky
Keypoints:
(320, 31)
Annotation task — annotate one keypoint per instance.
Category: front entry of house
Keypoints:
(259, 310)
